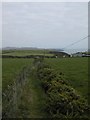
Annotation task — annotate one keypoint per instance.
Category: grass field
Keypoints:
(75, 71)
(11, 68)
(0, 86)
(26, 52)
(36, 96)
(32, 100)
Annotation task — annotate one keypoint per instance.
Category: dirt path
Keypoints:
(37, 97)
(33, 98)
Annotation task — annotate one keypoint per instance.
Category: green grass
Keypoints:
(11, 68)
(75, 71)
(0, 73)
(35, 96)
(0, 85)
(26, 52)
(31, 104)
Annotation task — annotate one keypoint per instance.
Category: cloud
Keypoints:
(44, 24)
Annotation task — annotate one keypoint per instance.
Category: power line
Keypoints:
(76, 42)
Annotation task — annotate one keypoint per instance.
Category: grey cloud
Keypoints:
(44, 24)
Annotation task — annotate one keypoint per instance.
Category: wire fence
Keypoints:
(12, 95)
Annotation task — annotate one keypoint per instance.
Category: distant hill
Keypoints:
(30, 48)
(19, 48)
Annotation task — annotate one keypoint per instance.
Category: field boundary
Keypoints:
(13, 94)
(28, 56)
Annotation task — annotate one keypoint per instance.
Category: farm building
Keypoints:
(59, 54)
(78, 54)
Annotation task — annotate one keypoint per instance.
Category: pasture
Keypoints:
(26, 52)
(11, 68)
(28, 98)
(31, 99)
(75, 71)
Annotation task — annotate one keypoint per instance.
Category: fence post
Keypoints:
(15, 98)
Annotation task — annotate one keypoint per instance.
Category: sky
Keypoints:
(44, 24)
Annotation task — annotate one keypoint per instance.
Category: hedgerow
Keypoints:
(62, 99)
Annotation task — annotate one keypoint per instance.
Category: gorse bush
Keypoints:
(62, 99)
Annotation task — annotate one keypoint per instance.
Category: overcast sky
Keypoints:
(44, 25)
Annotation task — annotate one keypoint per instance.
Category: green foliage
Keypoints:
(62, 99)
(75, 71)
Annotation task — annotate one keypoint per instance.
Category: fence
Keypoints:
(11, 96)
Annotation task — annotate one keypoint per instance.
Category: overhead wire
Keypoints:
(75, 42)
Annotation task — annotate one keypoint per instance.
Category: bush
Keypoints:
(62, 99)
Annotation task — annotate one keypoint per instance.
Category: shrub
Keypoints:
(62, 99)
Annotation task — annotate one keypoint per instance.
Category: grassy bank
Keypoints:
(75, 71)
